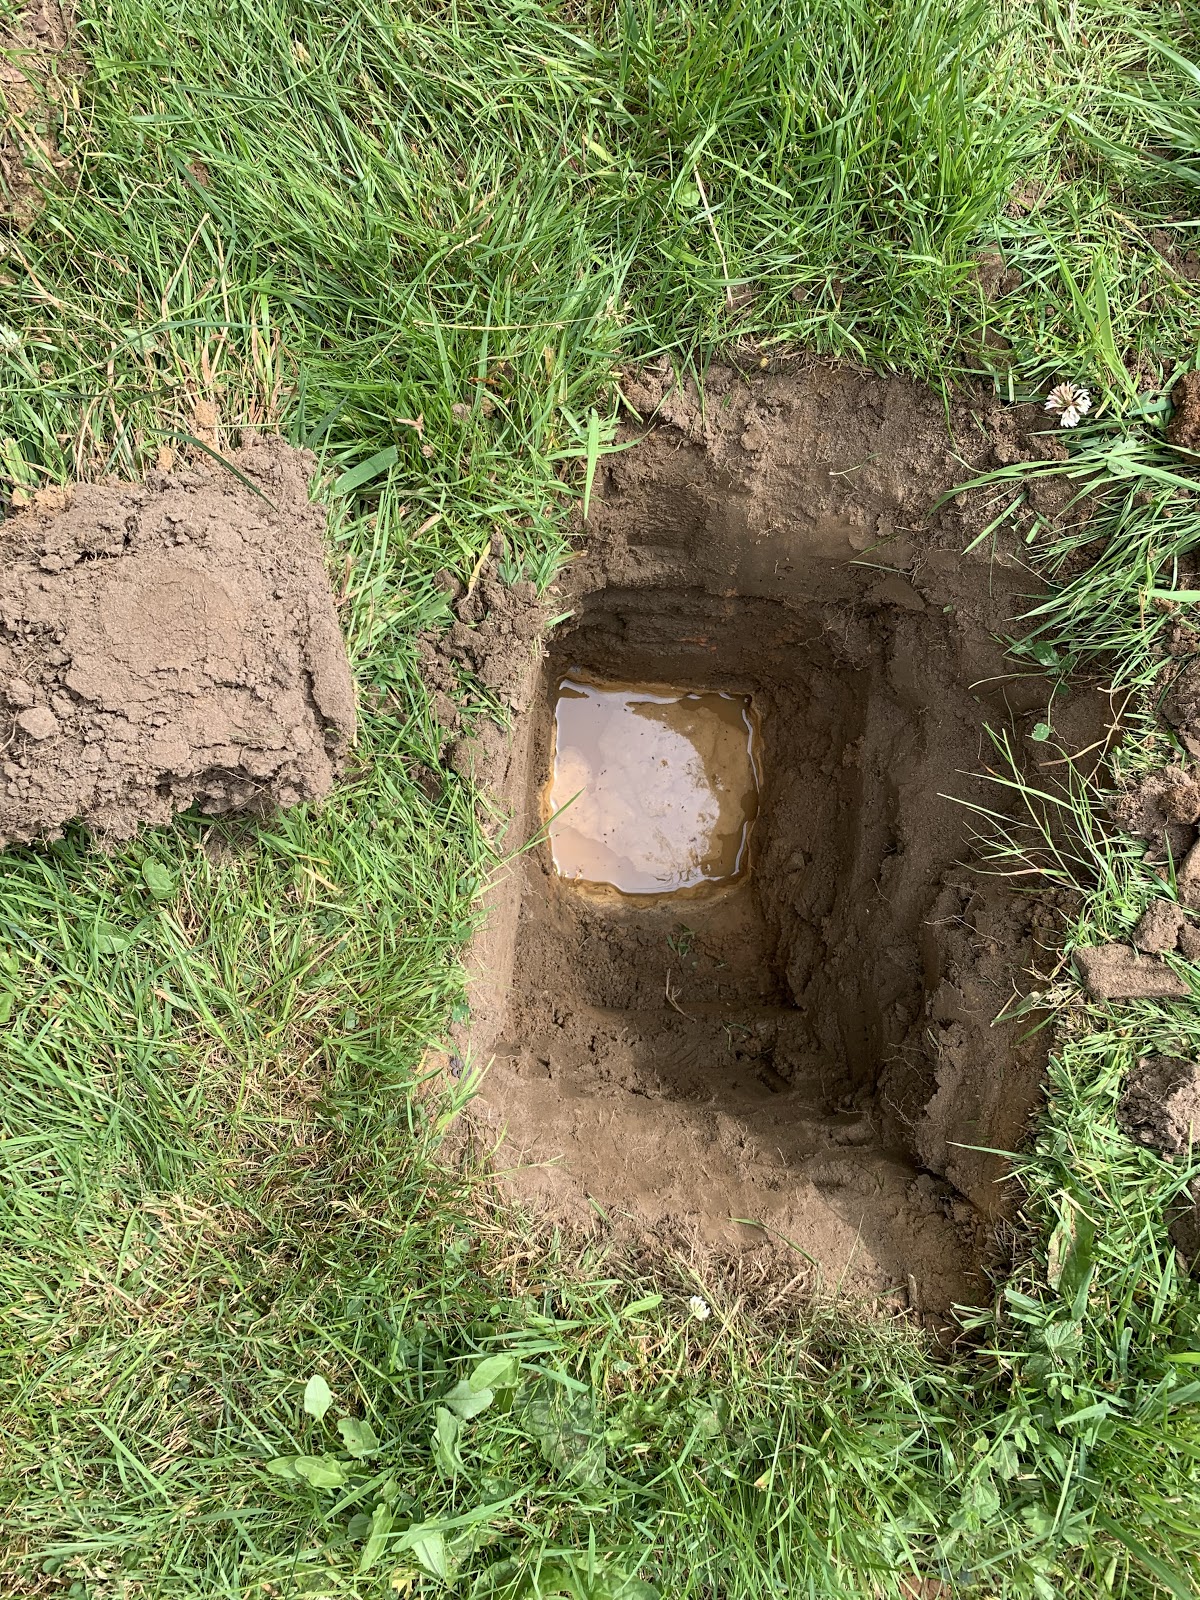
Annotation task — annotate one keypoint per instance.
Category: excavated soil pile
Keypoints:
(811, 1047)
(168, 644)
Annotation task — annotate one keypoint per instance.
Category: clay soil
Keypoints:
(169, 643)
(811, 1050)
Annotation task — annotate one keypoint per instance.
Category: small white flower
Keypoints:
(700, 1308)
(1071, 401)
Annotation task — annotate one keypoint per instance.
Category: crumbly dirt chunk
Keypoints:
(1187, 879)
(496, 638)
(1025, 197)
(1161, 1104)
(813, 1046)
(29, 54)
(1185, 1229)
(1159, 927)
(1181, 706)
(1161, 1108)
(168, 644)
(1115, 972)
(1183, 429)
(1162, 809)
(1184, 262)
(994, 276)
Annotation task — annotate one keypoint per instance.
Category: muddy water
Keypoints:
(653, 789)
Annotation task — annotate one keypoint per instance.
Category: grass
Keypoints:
(220, 1153)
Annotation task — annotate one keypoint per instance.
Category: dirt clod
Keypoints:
(1187, 879)
(1159, 928)
(170, 643)
(1115, 972)
(1181, 708)
(18, 694)
(38, 722)
(1161, 1108)
(994, 276)
(1161, 1104)
(1183, 430)
(1162, 809)
(1184, 263)
(497, 640)
(1185, 1229)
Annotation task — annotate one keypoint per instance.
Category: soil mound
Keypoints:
(168, 644)
(811, 1048)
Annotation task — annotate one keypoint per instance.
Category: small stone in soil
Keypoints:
(38, 722)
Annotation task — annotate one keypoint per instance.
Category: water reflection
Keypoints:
(659, 785)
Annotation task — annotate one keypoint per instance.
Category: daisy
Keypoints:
(1071, 401)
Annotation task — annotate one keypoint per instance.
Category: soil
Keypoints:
(1161, 1108)
(31, 54)
(1159, 928)
(1115, 972)
(811, 1048)
(1185, 263)
(994, 276)
(1181, 703)
(496, 636)
(1183, 430)
(1164, 807)
(1161, 1104)
(168, 644)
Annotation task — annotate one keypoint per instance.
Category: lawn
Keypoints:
(258, 1338)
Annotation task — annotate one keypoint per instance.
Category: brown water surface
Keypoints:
(654, 789)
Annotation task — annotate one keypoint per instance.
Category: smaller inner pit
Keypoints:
(654, 787)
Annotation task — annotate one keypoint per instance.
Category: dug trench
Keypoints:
(805, 1053)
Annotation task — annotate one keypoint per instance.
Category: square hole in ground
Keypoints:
(808, 1045)
(715, 1052)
